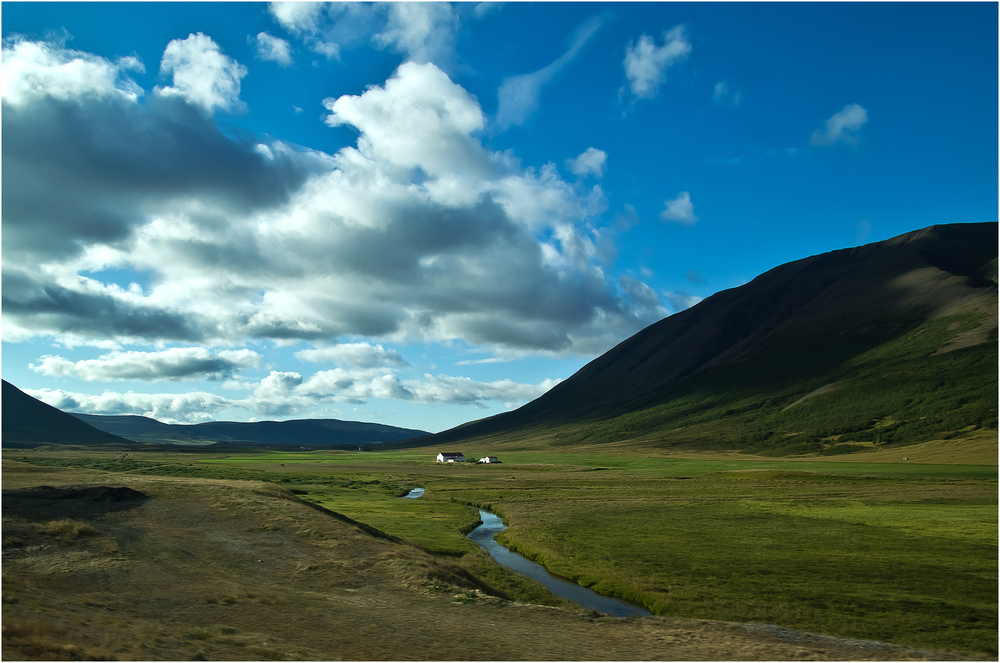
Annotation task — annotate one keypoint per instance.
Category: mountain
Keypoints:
(891, 342)
(302, 432)
(28, 422)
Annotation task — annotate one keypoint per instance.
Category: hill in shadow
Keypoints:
(890, 342)
(28, 422)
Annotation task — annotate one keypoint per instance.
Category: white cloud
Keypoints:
(37, 69)
(590, 162)
(173, 364)
(187, 408)
(421, 31)
(202, 74)
(419, 233)
(359, 355)
(273, 49)
(680, 209)
(726, 96)
(519, 95)
(420, 119)
(285, 394)
(297, 17)
(646, 63)
(843, 127)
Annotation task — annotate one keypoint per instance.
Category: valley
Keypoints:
(803, 467)
(892, 552)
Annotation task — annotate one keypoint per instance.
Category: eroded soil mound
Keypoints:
(47, 502)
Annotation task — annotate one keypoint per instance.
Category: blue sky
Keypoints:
(424, 214)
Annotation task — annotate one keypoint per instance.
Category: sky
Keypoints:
(425, 214)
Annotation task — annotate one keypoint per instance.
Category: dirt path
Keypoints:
(220, 570)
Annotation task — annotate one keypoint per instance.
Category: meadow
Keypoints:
(896, 552)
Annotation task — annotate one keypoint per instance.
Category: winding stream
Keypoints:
(414, 493)
(492, 525)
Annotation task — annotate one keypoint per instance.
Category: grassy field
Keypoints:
(899, 552)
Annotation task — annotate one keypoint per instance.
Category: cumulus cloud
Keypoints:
(118, 166)
(202, 75)
(680, 209)
(421, 31)
(360, 355)
(273, 49)
(519, 95)
(646, 63)
(173, 364)
(842, 127)
(298, 17)
(591, 162)
(283, 394)
(418, 232)
(188, 408)
(37, 70)
(420, 119)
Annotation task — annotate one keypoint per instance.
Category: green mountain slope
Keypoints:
(892, 342)
(28, 422)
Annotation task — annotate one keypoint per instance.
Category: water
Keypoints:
(414, 494)
(492, 525)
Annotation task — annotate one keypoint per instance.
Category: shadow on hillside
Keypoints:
(42, 503)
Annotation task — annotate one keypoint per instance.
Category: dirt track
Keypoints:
(219, 570)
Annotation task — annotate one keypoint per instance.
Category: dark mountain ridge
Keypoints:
(28, 422)
(304, 432)
(744, 355)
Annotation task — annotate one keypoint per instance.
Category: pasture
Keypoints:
(896, 552)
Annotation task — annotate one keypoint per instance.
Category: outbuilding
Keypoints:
(448, 457)
(489, 459)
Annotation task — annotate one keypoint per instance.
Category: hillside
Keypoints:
(28, 422)
(889, 343)
(304, 432)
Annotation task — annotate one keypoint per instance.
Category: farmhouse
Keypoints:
(457, 457)
(489, 459)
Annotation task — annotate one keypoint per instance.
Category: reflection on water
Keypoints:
(414, 494)
(492, 525)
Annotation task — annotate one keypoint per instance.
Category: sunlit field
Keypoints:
(897, 552)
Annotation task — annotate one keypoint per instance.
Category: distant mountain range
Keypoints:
(891, 342)
(28, 422)
(299, 432)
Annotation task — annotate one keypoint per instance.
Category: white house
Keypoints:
(457, 457)
(489, 459)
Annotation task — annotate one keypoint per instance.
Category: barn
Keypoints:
(446, 457)
(489, 459)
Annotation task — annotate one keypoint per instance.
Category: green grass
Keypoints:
(903, 553)
(892, 388)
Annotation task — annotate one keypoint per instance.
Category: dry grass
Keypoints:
(230, 570)
(66, 530)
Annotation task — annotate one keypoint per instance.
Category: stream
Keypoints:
(492, 525)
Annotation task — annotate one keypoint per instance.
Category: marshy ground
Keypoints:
(102, 566)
